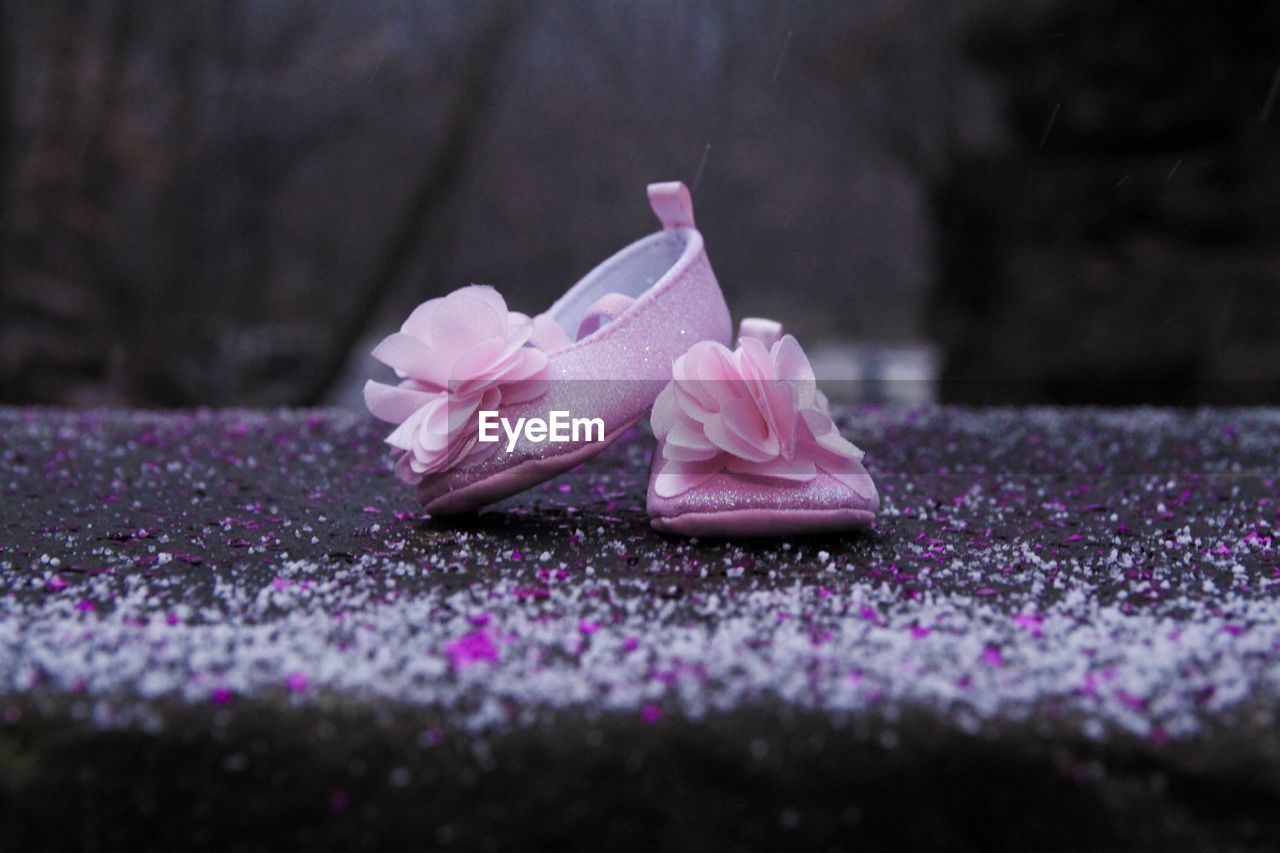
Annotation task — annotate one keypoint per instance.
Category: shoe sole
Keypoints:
(763, 522)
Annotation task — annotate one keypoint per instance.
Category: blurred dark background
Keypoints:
(228, 202)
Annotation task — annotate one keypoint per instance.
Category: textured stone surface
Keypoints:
(233, 628)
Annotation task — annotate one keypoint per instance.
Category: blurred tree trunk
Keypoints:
(437, 181)
(159, 161)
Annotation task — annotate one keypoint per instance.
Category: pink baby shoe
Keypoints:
(602, 352)
(747, 446)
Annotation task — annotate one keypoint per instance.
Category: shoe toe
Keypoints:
(737, 505)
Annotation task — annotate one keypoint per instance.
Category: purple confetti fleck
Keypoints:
(472, 649)
(1137, 703)
(1031, 622)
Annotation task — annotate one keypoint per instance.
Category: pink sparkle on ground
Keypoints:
(651, 713)
(630, 644)
(220, 696)
(296, 682)
(586, 626)
(56, 583)
(992, 657)
(1030, 621)
(1137, 703)
(86, 606)
(1090, 685)
(472, 649)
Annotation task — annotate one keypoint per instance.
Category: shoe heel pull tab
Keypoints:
(672, 204)
(767, 332)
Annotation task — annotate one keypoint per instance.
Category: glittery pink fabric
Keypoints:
(614, 372)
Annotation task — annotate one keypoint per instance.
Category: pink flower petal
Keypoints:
(392, 404)
(523, 391)
(418, 324)
(476, 364)
(676, 477)
(402, 437)
(410, 357)
(686, 441)
(848, 472)
(791, 362)
(795, 469)
(468, 316)
(731, 442)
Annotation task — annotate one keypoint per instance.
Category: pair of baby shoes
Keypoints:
(492, 402)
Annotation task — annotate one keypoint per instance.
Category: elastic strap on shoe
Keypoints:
(603, 311)
(548, 335)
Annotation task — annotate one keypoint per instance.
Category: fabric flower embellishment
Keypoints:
(455, 355)
(752, 411)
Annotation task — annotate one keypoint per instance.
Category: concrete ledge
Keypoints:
(234, 629)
